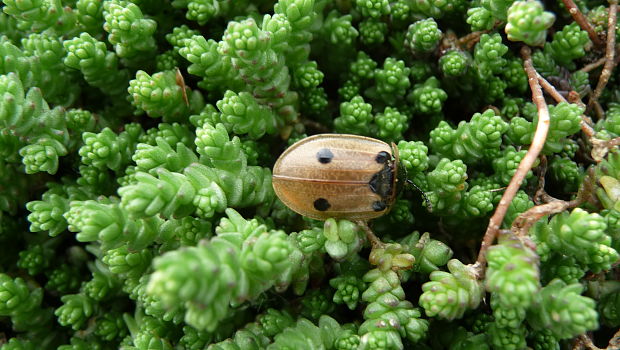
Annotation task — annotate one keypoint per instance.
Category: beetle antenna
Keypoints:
(428, 202)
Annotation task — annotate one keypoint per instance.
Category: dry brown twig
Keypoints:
(181, 83)
(542, 171)
(584, 342)
(598, 109)
(449, 41)
(582, 21)
(592, 66)
(550, 89)
(614, 342)
(468, 41)
(610, 51)
(522, 224)
(586, 122)
(600, 148)
(538, 141)
(375, 242)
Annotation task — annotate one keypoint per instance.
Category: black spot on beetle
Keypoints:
(382, 157)
(381, 182)
(324, 155)
(378, 205)
(321, 204)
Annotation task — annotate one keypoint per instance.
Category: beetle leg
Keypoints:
(374, 240)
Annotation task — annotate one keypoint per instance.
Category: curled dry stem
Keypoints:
(610, 51)
(540, 136)
(522, 224)
(600, 148)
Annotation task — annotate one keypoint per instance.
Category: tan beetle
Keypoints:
(339, 176)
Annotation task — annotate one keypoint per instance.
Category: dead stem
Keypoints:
(448, 42)
(587, 343)
(542, 171)
(181, 83)
(471, 39)
(586, 122)
(592, 66)
(582, 21)
(614, 342)
(586, 126)
(600, 148)
(522, 224)
(613, 142)
(573, 97)
(375, 242)
(610, 51)
(540, 136)
(550, 89)
(598, 109)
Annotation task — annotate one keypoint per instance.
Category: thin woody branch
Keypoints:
(584, 342)
(540, 136)
(582, 21)
(522, 224)
(586, 122)
(550, 89)
(542, 171)
(610, 51)
(592, 66)
(614, 342)
(602, 147)
(375, 241)
(471, 39)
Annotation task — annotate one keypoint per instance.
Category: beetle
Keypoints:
(339, 176)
